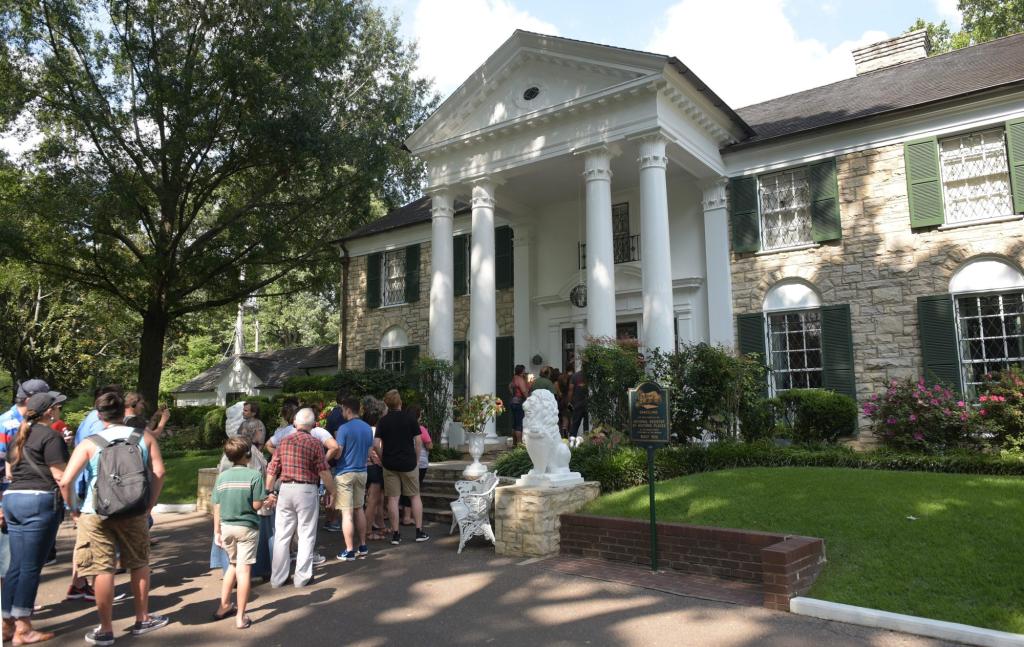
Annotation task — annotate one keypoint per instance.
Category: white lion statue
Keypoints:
(550, 456)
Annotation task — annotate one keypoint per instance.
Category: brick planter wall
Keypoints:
(784, 565)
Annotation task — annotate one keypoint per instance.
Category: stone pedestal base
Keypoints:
(527, 518)
(204, 491)
(550, 480)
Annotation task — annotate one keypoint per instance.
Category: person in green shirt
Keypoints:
(237, 495)
(544, 382)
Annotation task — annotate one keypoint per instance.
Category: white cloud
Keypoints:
(948, 11)
(749, 52)
(456, 36)
(830, 7)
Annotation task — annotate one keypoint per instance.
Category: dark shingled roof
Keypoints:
(988, 66)
(413, 213)
(272, 367)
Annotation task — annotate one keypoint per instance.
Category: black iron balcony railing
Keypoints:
(625, 249)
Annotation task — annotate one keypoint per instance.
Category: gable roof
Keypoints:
(413, 213)
(271, 367)
(979, 68)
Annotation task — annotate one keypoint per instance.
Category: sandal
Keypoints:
(246, 623)
(232, 610)
(32, 637)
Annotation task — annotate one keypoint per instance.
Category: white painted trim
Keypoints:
(940, 629)
(794, 248)
(987, 221)
(174, 508)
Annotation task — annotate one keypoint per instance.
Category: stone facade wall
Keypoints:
(365, 326)
(880, 267)
(784, 565)
(527, 519)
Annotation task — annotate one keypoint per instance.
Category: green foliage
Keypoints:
(626, 466)
(439, 454)
(917, 416)
(476, 411)
(611, 368)
(74, 418)
(214, 423)
(375, 382)
(983, 20)
(713, 390)
(202, 353)
(190, 416)
(815, 416)
(1002, 405)
(436, 377)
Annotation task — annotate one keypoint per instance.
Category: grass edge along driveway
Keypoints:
(942, 546)
(182, 475)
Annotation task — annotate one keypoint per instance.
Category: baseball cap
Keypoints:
(43, 401)
(28, 388)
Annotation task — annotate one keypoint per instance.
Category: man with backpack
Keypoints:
(115, 513)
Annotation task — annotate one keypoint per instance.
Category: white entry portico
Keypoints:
(605, 162)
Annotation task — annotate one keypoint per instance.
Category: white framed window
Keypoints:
(793, 317)
(392, 346)
(988, 306)
(392, 277)
(975, 176)
(391, 359)
(785, 208)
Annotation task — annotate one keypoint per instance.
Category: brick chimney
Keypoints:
(894, 51)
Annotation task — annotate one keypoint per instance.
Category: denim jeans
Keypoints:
(517, 415)
(32, 527)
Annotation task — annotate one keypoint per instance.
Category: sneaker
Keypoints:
(347, 555)
(421, 536)
(97, 637)
(362, 551)
(332, 527)
(155, 622)
(117, 596)
(81, 593)
(318, 559)
(396, 538)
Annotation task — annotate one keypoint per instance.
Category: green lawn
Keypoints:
(958, 560)
(183, 476)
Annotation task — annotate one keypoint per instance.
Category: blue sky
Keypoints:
(746, 50)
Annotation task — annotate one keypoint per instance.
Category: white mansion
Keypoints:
(861, 231)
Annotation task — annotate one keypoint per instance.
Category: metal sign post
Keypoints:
(650, 424)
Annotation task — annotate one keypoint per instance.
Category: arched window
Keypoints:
(393, 344)
(792, 311)
(988, 298)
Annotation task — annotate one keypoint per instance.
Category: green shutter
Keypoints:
(750, 339)
(504, 366)
(825, 223)
(373, 280)
(937, 328)
(459, 245)
(504, 270)
(746, 236)
(837, 350)
(371, 359)
(410, 362)
(412, 273)
(459, 370)
(924, 184)
(1015, 146)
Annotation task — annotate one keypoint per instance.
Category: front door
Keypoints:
(626, 330)
(568, 349)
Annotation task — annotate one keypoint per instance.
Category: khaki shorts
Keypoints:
(399, 483)
(239, 543)
(351, 490)
(99, 539)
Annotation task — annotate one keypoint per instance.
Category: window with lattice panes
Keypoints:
(392, 277)
(975, 176)
(785, 209)
(391, 359)
(794, 350)
(990, 328)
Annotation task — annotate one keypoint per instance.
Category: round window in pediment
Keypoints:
(531, 93)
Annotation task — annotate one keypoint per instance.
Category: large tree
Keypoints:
(193, 153)
(983, 20)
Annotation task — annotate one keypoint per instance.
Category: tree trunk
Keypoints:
(151, 353)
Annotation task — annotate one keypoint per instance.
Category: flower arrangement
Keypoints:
(1002, 406)
(321, 420)
(915, 415)
(477, 410)
(605, 436)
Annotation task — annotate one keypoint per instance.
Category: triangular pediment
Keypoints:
(532, 73)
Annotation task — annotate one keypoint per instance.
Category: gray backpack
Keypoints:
(122, 477)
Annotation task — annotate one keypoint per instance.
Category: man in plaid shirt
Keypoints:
(293, 479)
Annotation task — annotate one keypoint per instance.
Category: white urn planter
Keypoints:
(476, 442)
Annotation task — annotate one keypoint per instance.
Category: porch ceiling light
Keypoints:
(531, 93)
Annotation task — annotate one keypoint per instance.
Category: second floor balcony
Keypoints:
(625, 249)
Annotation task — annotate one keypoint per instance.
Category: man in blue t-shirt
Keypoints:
(336, 418)
(355, 439)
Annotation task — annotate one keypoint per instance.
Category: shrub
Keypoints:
(439, 453)
(816, 416)
(436, 377)
(1002, 406)
(213, 427)
(913, 415)
(75, 418)
(714, 391)
(611, 368)
(375, 382)
(190, 416)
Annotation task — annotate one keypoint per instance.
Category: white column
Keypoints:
(522, 317)
(721, 330)
(442, 287)
(600, 253)
(655, 253)
(483, 325)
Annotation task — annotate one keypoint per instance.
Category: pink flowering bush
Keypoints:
(919, 416)
(1001, 404)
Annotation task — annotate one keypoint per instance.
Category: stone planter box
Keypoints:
(204, 490)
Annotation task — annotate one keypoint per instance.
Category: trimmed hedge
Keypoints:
(817, 416)
(375, 382)
(626, 466)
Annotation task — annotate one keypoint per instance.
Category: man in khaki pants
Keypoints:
(355, 438)
(398, 443)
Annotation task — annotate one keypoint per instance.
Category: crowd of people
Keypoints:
(570, 391)
(364, 470)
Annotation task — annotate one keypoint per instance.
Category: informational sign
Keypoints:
(650, 418)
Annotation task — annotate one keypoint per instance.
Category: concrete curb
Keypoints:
(174, 508)
(951, 631)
